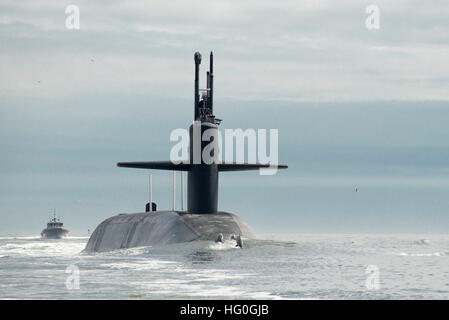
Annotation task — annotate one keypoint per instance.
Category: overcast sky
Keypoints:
(354, 108)
(294, 50)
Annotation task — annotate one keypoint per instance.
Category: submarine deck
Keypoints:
(164, 227)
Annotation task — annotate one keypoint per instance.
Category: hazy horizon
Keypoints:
(63, 159)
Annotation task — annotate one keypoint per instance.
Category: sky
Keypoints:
(355, 108)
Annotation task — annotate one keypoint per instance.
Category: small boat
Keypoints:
(55, 229)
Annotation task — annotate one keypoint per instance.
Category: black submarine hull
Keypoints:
(164, 227)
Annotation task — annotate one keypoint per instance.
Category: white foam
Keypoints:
(42, 248)
(423, 242)
(433, 254)
(226, 245)
(139, 266)
(20, 238)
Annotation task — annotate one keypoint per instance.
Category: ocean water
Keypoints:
(288, 266)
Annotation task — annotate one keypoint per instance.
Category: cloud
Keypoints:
(297, 50)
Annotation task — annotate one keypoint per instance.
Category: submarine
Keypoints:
(201, 220)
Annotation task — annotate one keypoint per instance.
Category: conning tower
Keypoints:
(202, 184)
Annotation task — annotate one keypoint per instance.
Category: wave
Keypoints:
(226, 245)
(422, 242)
(20, 238)
(432, 254)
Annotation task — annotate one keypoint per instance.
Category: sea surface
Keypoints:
(287, 266)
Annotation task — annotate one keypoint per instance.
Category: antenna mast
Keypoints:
(150, 209)
(197, 58)
(174, 190)
(211, 83)
(182, 191)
